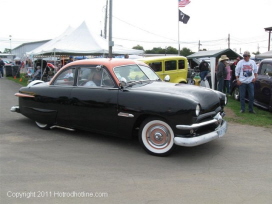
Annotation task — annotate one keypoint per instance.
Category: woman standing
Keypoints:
(227, 80)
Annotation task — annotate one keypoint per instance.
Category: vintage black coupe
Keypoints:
(121, 97)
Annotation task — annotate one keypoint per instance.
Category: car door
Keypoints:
(94, 107)
(176, 70)
(60, 94)
(263, 84)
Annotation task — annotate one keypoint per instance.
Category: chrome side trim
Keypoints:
(23, 95)
(65, 128)
(216, 119)
(128, 115)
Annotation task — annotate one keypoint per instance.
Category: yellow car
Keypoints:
(174, 66)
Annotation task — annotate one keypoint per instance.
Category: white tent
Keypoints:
(265, 55)
(51, 43)
(80, 42)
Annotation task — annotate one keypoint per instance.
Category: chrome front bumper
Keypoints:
(220, 131)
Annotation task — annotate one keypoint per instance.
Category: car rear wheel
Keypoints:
(42, 125)
(236, 93)
(156, 137)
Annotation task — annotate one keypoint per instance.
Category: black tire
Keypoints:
(43, 126)
(236, 94)
(156, 137)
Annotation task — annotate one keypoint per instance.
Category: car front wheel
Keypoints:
(42, 125)
(156, 137)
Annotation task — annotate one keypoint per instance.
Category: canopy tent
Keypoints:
(214, 55)
(51, 43)
(79, 42)
(265, 55)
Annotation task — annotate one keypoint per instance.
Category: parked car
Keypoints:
(174, 66)
(123, 97)
(7, 62)
(262, 88)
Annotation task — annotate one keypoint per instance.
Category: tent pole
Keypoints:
(213, 65)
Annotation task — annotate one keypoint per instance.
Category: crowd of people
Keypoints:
(244, 70)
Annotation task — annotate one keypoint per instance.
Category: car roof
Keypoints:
(108, 62)
(267, 60)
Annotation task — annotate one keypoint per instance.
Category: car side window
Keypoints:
(156, 66)
(170, 65)
(266, 69)
(65, 78)
(181, 64)
(93, 77)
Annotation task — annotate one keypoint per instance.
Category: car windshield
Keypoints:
(135, 73)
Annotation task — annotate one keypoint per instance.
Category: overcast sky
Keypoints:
(149, 23)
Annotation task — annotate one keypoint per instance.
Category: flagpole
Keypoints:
(110, 29)
(178, 34)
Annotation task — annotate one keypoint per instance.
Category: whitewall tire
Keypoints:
(156, 137)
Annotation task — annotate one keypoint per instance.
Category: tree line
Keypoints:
(167, 50)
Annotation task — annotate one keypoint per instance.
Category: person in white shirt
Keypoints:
(246, 74)
(69, 74)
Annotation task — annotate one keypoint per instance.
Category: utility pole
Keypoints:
(10, 43)
(269, 36)
(229, 41)
(199, 45)
(106, 20)
(111, 43)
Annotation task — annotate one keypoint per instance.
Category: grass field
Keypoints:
(21, 80)
(262, 117)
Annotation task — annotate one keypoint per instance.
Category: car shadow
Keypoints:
(110, 143)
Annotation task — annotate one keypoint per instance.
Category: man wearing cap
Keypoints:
(221, 72)
(246, 74)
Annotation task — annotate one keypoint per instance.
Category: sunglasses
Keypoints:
(246, 55)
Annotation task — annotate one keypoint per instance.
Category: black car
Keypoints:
(262, 88)
(121, 97)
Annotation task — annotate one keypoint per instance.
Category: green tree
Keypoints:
(256, 53)
(7, 50)
(155, 50)
(171, 50)
(138, 47)
(186, 51)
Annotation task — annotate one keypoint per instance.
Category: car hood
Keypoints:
(207, 97)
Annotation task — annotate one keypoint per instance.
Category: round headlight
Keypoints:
(197, 110)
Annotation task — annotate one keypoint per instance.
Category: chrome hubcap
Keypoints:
(158, 136)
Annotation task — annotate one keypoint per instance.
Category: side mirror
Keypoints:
(167, 78)
(123, 82)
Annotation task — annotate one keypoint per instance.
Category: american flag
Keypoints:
(183, 3)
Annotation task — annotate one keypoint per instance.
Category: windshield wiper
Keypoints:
(132, 83)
